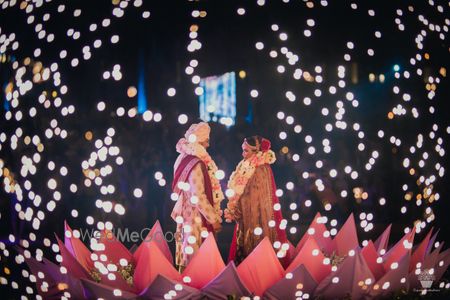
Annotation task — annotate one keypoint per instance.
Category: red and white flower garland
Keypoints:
(242, 174)
(197, 150)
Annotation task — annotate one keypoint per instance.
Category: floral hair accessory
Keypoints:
(265, 145)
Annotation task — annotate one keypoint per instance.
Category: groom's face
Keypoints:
(205, 143)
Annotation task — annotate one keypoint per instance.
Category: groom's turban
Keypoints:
(200, 130)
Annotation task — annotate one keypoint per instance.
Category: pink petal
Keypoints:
(350, 274)
(206, 264)
(383, 239)
(78, 249)
(313, 263)
(226, 283)
(114, 250)
(261, 269)
(286, 288)
(319, 229)
(162, 285)
(95, 290)
(392, 280)
(151, 263)
(156, 234)
(370, 255)
(398, 251)
(419, 253)
(346, 239)
(70, 263)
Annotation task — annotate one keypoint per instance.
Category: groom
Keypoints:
(197, 192)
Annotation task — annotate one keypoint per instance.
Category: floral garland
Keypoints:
(197, 150)
(242, 174)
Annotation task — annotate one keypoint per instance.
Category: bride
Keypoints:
(252, 202)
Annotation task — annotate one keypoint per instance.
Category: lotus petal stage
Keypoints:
(321, 267)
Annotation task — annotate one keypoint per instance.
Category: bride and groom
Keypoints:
(252, 203)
